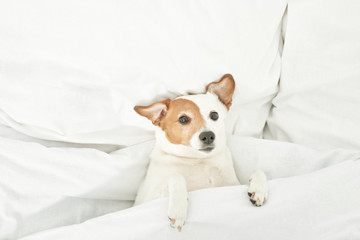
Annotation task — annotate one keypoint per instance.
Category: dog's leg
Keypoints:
(258, 189)
(178, 201)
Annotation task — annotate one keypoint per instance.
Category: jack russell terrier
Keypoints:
(190, 151)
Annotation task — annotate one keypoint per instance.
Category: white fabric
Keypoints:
(43, 187)
(10, 133)
(48, 187)
(318, 103)
(315, 206)
(73, 70)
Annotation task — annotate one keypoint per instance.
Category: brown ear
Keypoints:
(224, 89)
(154, 112)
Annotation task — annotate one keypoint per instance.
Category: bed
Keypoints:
(73, 152)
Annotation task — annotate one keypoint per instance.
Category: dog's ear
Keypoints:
(155, 112)
(224, 89)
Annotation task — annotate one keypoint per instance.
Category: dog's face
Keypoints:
(193, 125)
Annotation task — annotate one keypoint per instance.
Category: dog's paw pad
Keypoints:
(257, 198)
(178, 224)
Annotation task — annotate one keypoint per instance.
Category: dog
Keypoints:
(190, 152)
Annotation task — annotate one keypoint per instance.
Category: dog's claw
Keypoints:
(179, 228)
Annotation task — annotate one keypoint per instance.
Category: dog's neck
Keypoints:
(160, 155)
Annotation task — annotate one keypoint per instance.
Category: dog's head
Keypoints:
(192, 125)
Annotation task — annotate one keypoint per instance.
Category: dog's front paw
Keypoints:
(177, 216)
(177, 223)
(258, 189)
(257, 198)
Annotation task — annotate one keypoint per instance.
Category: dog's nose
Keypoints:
(207, 137)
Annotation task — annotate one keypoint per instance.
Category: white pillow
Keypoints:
(318, 103)
(73, 70)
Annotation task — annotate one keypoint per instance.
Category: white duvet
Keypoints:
(83, 193)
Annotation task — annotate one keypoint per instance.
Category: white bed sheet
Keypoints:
(43, 188)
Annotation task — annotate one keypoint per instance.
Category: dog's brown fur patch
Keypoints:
(176, 132)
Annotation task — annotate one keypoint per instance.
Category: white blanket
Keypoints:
(316, 206)
(51, 187)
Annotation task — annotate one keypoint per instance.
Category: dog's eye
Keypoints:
(214, 116)
(184, 120)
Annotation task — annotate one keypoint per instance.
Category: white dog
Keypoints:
(191, 152)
